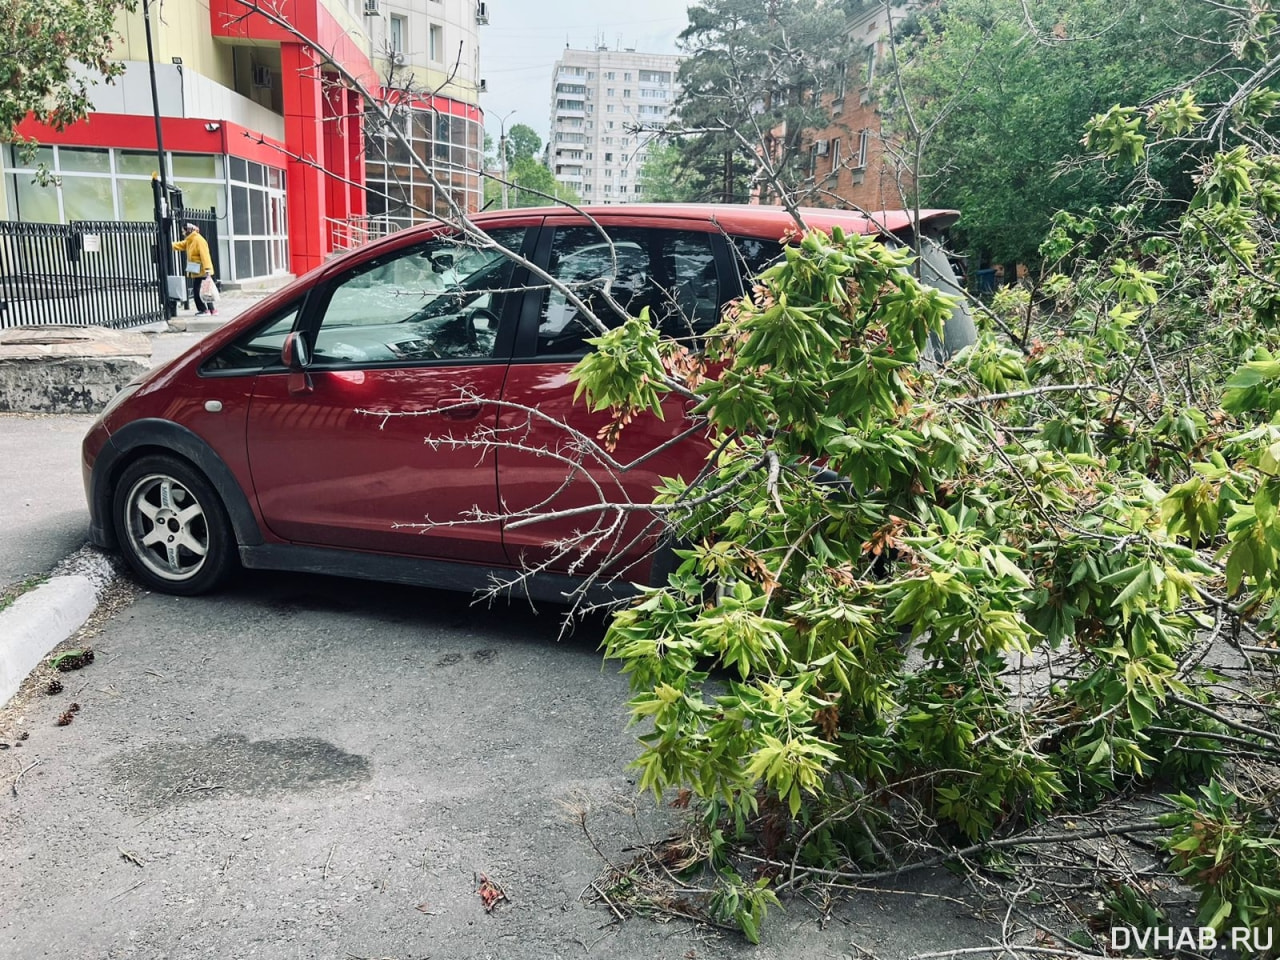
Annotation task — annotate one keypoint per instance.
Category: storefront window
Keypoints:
(87, 198)
(448, 144)
(73, 159)
(134, 162)
(34, 202)
(196, 166)
(136, 200)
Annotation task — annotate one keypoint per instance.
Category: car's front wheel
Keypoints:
(172, 526)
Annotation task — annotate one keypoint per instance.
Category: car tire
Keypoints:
(172, 527)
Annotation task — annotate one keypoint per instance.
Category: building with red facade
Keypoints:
(262, 127)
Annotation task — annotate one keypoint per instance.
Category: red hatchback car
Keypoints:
(284, 441)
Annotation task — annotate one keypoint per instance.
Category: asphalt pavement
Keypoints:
(301, 766)
(42, 512)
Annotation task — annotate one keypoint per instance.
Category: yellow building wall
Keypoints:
(182, 31)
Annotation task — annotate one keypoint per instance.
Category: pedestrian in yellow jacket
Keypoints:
(199, 265)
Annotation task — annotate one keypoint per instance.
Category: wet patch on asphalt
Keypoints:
(163, 774)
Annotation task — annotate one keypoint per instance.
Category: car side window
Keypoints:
(753, 256)
(672, 272)
(439, 300)
(259, 347)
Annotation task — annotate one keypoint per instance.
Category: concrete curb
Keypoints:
(42, 618)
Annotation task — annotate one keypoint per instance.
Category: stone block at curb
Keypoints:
(82, 385)
(66, 369)
(37, 622)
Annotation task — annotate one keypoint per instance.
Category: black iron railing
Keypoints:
(84, 273)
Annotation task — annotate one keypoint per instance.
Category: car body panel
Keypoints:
(363, 458)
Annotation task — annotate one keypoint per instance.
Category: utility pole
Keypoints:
(160, 190)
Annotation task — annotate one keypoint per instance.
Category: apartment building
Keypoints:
(605, 108)
(264, 129)
(847, 159)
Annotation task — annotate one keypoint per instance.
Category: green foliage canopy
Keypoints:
(41, 41)
(996, 94)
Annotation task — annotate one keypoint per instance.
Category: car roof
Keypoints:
(735, 219)
(749, 219)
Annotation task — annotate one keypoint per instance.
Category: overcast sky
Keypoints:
(524, 39)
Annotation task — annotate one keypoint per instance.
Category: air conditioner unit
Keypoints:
(262, 76)
(397, 59)
(482, 12)
(371, 8)
(484, 86)
(823, 147)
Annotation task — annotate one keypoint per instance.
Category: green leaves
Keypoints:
(1229, 856)
(624, 372)
(1116, 134)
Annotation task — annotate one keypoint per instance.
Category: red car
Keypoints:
(282, 440)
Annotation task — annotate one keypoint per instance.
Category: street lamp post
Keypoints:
(502, 152)
(160, 190)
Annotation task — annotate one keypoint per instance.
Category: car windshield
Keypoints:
(435, 282)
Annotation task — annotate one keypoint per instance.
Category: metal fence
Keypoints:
(84, 273)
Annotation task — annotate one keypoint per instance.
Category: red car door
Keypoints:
(380, 446)
(678, 271)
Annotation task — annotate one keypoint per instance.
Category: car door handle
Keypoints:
(459, 409)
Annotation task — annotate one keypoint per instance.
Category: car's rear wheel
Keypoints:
(172, 526)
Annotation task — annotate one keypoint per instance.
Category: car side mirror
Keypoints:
(295, 354)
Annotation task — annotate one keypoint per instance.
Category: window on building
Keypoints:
(622, 189)
(396, 35)
(609, 75)
(608, 157)
(636, 190)
(835, 155)
(589, 156)
(626, 76)
(436, 43)
(871, 64)
(626, 93)
(864, 141)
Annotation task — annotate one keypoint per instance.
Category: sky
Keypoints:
(525, 38)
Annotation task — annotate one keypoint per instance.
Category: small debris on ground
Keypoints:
(490, 893)
(66, 718)
(72, 660)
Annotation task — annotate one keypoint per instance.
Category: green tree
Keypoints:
(522, 142)
(750, 88)
(41, 41)
(991, 96)
(528, 174)
(531, 184)
(918, 606)
(666, 179)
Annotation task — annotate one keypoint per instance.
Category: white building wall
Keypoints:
(182, 93)
(440, 41)
(601, 102)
